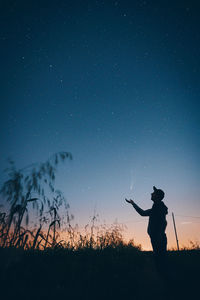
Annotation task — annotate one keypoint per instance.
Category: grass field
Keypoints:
(112, 273)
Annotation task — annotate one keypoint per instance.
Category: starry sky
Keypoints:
(116, 83)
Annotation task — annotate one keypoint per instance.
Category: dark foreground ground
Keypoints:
(90, 274)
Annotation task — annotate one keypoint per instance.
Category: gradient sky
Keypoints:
(116, 83)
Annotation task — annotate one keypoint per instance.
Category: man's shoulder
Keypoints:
(160, 206)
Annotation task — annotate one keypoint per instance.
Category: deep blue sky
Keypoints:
(116, 83)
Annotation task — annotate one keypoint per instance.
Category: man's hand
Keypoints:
(129, 201)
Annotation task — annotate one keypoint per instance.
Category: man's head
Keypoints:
(157, 195)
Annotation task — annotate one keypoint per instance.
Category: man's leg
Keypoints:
(159, 246)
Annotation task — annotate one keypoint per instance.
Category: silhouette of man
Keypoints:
(157, 224)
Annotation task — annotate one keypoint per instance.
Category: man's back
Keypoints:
(157, 219)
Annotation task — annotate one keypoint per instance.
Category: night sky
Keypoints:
(116, 83)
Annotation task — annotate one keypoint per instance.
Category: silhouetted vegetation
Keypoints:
(110, 273)
(32, 186)
(35, 186)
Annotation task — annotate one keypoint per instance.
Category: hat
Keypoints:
(159, 192)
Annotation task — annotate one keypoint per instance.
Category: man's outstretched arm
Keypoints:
(141, 212)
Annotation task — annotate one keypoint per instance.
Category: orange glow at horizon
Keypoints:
(187, 231)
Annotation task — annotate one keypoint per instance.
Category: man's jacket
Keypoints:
(157, 218)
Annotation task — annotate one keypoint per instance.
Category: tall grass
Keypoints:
(32, 188)
(60, 233)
